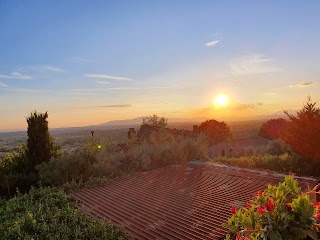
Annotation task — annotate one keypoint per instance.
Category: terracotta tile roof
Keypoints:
(190, 202)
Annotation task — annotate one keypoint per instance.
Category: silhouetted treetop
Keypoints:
(308, 112)
(273, 128)
(303, 133)
(215, 130)
(155, 121)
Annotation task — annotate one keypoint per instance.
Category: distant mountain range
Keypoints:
(125, 123)
(138, 120)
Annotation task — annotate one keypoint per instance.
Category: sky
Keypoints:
(89, 62)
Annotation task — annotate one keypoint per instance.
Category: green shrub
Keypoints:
(59, 171)
(13, 174)
(278, 147)
(80, 164)
(48, 213)
(99, 158)
(154, 155)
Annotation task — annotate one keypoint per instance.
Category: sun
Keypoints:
(221, 100)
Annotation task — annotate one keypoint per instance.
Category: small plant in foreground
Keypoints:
(279, 212)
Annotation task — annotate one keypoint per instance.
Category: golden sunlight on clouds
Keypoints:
(221, 100)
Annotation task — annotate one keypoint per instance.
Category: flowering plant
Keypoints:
(279, 212)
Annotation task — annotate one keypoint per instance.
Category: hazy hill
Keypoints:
(138, 121)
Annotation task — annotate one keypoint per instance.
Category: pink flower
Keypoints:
(260, 193)
(249, 206)
(316, 205)
(234, 210)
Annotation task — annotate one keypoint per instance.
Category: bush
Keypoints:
(165, 153)
(280, 212)
(70, 167)
(80, 164)
(105, 161)
(48, 213)
(13, 174)
(278, 147)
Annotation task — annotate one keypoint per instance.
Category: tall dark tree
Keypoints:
(40, 145)
(303, 133)
(215, 130)
(273, 128)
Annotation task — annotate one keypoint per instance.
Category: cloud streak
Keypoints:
(303, 84)
(51, 68)
(244, 106)
(80, 60)
(252, 64)
(113, 88)
(212, 43)
(105, 76)
(3, 85)
(116, 106)
(28, 90)
(101, 89)
(103, 82)
(16, 75)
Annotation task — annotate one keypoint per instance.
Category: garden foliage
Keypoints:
(48, 213)
(280, 212)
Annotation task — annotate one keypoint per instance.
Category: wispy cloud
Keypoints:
(103, 82)
(303, 84)
(28, 90)
(39, 68)
(244, 106)
(16, 75)
(212, 43)
(80, 60)
(102, 89)
(252, 64)
(155, 87)
(105, 76)
(84, 90)
(115, 106)
(3, 85)
(51, 68)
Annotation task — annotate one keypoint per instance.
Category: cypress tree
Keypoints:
(40, 146)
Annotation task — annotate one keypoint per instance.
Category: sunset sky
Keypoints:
(89, 62)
